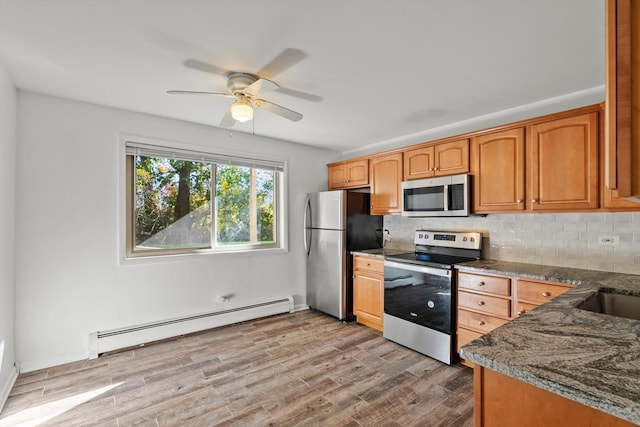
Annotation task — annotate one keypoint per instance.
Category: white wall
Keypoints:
(562, 239)
(7, 234)
(69, 280)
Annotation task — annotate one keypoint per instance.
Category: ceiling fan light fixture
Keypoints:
(241, 111)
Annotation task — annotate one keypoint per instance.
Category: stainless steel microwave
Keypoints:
(441, 196)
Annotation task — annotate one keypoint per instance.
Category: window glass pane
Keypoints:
(244, 206)
(265, 205)
(172, 203)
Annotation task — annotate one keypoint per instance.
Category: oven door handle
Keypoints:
(418, 268)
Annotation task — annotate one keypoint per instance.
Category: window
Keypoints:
(181, 201)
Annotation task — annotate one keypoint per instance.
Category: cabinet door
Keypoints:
(357, 173)
(622, 98)
(497, 165)
(418, 163)
(367, 299)
(523, 307)
(386, 175)
(504, 401)
(612, 201)
(451, 158)
(563, 164)
(465, 336)
(337, 176)
(349, 174)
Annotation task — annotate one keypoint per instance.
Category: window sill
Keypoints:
(165, 258)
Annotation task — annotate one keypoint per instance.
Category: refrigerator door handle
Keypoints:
(307, 231)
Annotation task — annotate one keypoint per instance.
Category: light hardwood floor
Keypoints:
(303, 369)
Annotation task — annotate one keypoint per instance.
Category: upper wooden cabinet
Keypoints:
(622, 110)
(448, 158)
(562, 163)
(552, 163)
(547, 166)
(386, 178)
(348, 174)
(497, 166)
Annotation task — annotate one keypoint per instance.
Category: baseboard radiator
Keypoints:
(103, 341)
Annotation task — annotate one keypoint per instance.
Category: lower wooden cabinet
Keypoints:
(484, 303)
(502, 401)
(487, 301)
(532, 293)
(368, 290)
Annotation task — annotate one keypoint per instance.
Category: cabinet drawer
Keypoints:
(523, 307)
(538, 292)
(479, 322)
(372, 264)
(481, 283)
(465, 336)
(485, 304)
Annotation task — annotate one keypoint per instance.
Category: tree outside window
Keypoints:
(173, 209)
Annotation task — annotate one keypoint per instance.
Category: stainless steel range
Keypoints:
(419, 291)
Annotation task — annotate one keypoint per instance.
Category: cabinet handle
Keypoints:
(481, 284)
(481, 322)
(519, 201)
(534, 200)
(546, 294)
(520, 313)
(480, 302)
(435, 169)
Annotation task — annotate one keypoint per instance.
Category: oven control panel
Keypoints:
(449, 239)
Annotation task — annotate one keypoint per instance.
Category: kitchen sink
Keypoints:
(613, 304)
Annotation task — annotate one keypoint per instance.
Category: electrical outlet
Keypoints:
(608, 240)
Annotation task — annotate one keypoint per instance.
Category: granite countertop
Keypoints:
(587, 357)
(380, 252)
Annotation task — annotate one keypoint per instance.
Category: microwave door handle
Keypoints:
(446, 197)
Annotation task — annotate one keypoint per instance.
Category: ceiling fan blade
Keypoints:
(227, 121)
(260, 86)
(192, 92)
(301, 95)
(278, 109)
(207, 68)
(285, 59)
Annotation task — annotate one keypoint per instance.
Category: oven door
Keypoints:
(419, 294)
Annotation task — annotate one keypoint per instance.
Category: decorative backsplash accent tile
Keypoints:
(569, 240)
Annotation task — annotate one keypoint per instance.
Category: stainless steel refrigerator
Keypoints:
(336, 223)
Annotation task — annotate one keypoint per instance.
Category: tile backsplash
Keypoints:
(562, 239)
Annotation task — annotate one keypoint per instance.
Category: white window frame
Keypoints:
(127, 219)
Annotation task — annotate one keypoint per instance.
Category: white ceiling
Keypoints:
(370, 71)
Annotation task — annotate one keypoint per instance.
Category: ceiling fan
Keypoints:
(246, 89)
